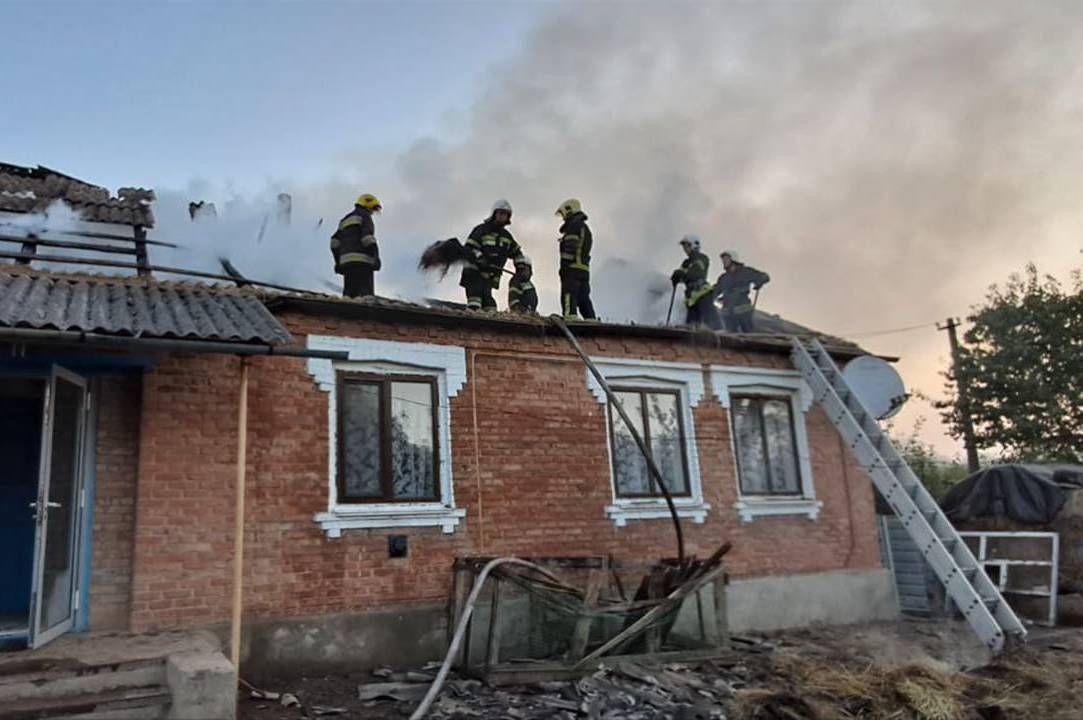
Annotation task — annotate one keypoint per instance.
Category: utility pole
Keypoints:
(964, 401)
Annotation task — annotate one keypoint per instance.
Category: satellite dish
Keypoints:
(877, 385)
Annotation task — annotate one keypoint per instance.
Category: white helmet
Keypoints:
(524, 260)
(733, 255)
(502, 204)
(692, 240)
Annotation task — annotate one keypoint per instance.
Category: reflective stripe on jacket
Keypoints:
(522, 296)
(693, 273)
(355, 240)
(576, 243)
(488, 248)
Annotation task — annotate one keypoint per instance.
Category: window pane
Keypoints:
(629, 465)
(748, 438)
(780, 449)
(412, 442)
(360, 408)
(666, 448)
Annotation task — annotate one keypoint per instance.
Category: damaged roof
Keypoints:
(26, 190)
(135, 307)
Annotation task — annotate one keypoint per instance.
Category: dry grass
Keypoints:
(1028, 686)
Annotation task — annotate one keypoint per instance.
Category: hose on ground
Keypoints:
(460, 630)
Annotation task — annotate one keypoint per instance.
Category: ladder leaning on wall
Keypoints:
(963, 578)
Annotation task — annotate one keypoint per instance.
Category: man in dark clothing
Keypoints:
(698, 293)
(733, 287)
(522, 295)
(489, 248)
(576, 243)
(357, 257)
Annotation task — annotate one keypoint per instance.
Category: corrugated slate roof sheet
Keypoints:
(25, 190)
(136, 308)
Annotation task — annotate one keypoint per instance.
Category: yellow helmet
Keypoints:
(369, 202)
(569, 207)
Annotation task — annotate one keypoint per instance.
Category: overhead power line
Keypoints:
(892, 331)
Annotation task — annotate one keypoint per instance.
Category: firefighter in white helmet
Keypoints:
(733, 287)
(698, 293)
(522, 295)
(488, 249)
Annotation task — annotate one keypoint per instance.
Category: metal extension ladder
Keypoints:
(964, 580)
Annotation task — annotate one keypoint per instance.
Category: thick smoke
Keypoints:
(884, 162)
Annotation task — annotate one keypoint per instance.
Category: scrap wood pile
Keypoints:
(653, 607)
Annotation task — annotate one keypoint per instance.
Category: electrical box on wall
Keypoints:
(398, 546)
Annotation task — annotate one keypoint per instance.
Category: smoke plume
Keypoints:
(884, 162)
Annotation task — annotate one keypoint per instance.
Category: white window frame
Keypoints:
(445, 363)
(687, 380)
(783, 384)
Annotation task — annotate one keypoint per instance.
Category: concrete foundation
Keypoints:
(833, 598)
(409, 637)
(404, 638)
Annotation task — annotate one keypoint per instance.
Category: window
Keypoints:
(657, 417)
(766, 445)
(388, 450)
(389, 443)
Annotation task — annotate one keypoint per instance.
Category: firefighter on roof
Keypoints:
(576, 243)
(733, 287)
(357, 257)
(522, 295)
(488, 249)
(698, 293)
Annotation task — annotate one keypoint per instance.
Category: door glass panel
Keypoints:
(58, 558)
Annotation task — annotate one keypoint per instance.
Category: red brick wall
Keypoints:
(540, 488)
(117, 473)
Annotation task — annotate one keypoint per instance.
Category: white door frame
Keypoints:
(38, 636)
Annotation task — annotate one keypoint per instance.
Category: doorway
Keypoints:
(42, 429)
(21, 406)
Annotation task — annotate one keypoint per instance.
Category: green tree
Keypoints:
(936, 472)
(1021, 362)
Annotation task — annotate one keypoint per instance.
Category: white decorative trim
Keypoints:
(765, 380)
(640, 509)
(389, 516)
(686, 379)
(750, 508)
(644, 373)
(445, 363)
(786, 384)
(449, 359)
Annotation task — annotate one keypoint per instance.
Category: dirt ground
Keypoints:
(922, 670)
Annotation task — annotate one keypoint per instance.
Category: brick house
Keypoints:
(469, 434)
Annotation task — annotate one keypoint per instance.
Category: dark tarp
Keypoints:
(1024, 493)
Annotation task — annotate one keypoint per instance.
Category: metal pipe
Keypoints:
(78, 337)
(655, 474)
(238, 521)
(62, 259)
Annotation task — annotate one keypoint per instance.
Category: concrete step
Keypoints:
(68, 682)
(150, 702)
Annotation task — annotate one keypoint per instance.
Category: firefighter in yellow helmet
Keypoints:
(576, 243)
(357, 256)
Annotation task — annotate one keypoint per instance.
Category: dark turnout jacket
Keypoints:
(693, 273)
(522, 296)
(576, 242)
(354, 242)
(734, 284)
(488, 249)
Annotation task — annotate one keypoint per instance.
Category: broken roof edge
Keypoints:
(384, 310)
